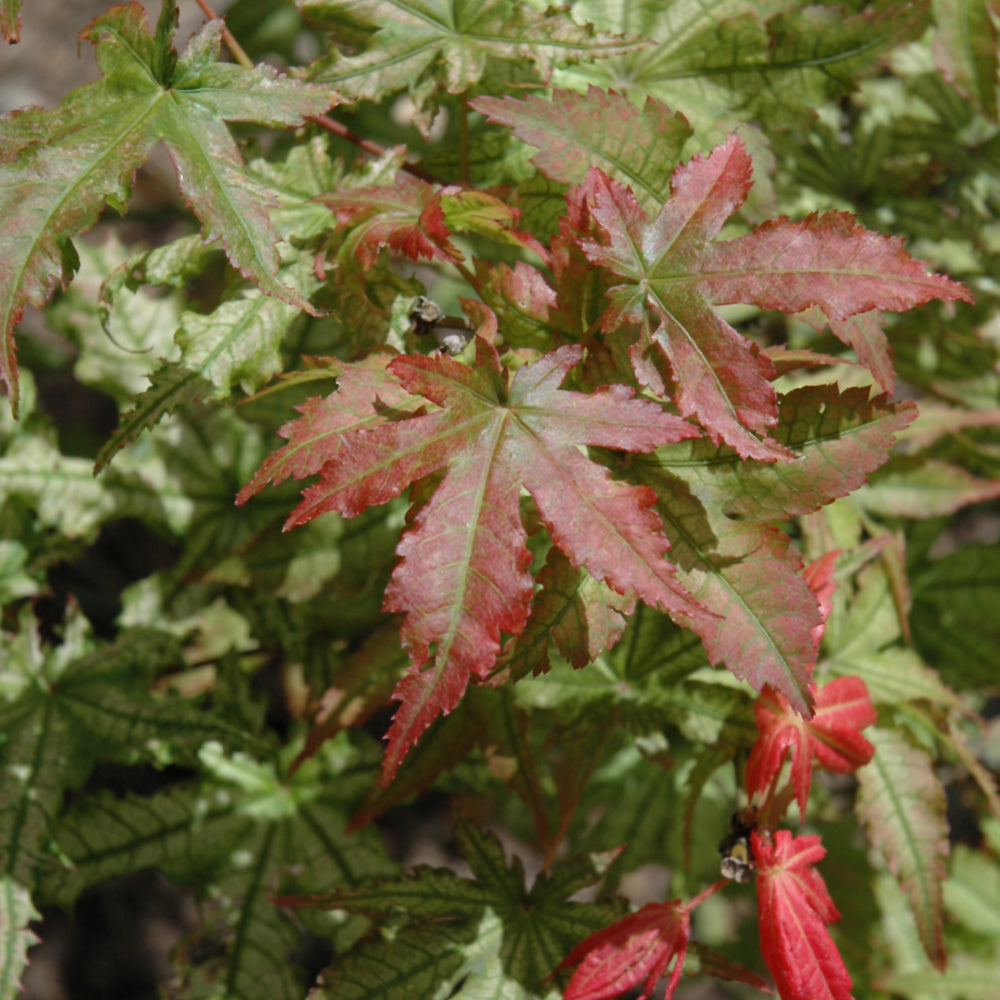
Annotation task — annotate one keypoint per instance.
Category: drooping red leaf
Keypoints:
(832, 736)
(819, 576)
(635, 950)
(463, 576)
(675, 273)
(794, 908)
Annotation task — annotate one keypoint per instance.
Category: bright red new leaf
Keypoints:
(675, 273)
(832, 736)
(636, 949)
(463, 576)
(794, 908)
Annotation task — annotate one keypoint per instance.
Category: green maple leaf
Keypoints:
(485, 936)
(431, 44)
(238, 835)
(60, 168)
(724, 63)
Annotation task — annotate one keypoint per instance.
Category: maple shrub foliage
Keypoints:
(584, 417)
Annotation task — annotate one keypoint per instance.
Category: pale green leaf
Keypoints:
(431, 44)
(60, 168)
(237, 344)
(966, 978)
(724, 62)
(912, 486)
(901, 801)
(16, 912)
(972, 891)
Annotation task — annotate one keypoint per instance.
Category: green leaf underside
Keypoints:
(60, 168)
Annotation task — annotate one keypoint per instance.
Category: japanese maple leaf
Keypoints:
(635, 950)
(406, 217)
(463, 575)
(58, 169)
(794, 908)
(675, 273)
(832, 736)
(425, 45)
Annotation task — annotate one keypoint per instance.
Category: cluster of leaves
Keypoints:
(570, 557)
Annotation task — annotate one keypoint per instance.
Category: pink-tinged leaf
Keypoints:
(917, 487)
(794, 908)
(722, 514)
(604, 129)
(483, 214)
(366, 392)
(901, 802)
(721, 378)
(865, 335)
(632, 952)
(832, 736)
(937, 420)
(767, 613)
(406, 217)
(827, 261)
(675, 273)
(523, 301)
(462, 579)
(840, 436)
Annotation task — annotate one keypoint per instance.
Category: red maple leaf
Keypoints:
(675, 273)
(634, 950)
(406, 217)
(794, 908)
(831, 736)
(463, 575)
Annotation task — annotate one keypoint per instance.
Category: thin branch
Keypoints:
(338, 129)
(227, 36)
